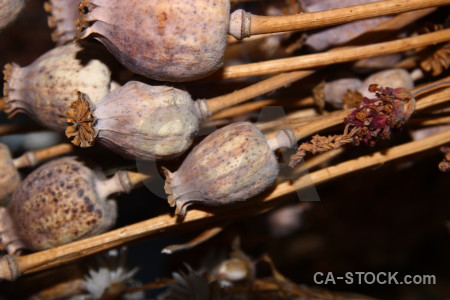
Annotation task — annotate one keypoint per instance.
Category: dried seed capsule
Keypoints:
(44, 89)
(60, 202)
(136, 120)
(9, 9)
(232, 164)
(165, 40)
(332, 92)
(9, 176)
(395, 78)
(64, 13)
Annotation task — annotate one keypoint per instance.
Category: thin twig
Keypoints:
(305, 21)
(305, 62)
(32, 158)
(166, 224)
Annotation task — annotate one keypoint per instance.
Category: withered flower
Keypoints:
(434, 59)
(374, 119)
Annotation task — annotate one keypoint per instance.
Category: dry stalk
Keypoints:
(271, 84)
(305, 21)
(305, 62)
(32, 158)
(11, 266)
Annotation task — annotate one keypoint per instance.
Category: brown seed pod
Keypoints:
(63, 201)
(63, 14)
(395, 78)
(155, 122)
(9, 176)
(332, 92)
(44, 89)
(232, 164)
(9, 9)
(165, 40)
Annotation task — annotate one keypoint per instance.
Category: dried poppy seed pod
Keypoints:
(392, 77)
(9, 176)
(63, 201)
(44, 89)
(64, 13)
(136, 120)
(9, 9)
(332, 92)
(231, 164)
(175, 40)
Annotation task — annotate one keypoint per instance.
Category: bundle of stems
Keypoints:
(164, 225)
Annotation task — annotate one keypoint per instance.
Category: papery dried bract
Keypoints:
(59, 203)
(175, 40)
(44, 89)
(9, 9)
(232, 164)
(140, 121)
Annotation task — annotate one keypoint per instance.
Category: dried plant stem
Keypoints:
(252, 106)
(305, 21)
(204, 236)
(317, 160)
(219, 103)
(11, 267)
(32, 158)
(17, 128)
(445, 120)
(2, 103)
(136, 177)
(334, 57)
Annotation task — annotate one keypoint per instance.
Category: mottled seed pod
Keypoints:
(174, 40)
(63, 14)
(9, 9)
(60, 202)
(394, 78)
(44, 89)
(232, 164)
(137, 120)
(9, 176)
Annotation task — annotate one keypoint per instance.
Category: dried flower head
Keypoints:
(374, 119)
(333, 92)
(232, 164)
(444, 165)
(165, 40)
(44, 89)
(434, 59)
(9, 9)
(63, 14)
(60, 202)
(110, 279)
(80, 122)
(136, 120)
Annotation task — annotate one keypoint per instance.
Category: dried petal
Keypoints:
(175, 40)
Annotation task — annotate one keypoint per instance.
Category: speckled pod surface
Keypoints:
(9, 9)
(44, 89)
(231, 164)
(9, 176)
(58, 203)
(394, 78)
(63, 14)
(140, 121)
(173, 40)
